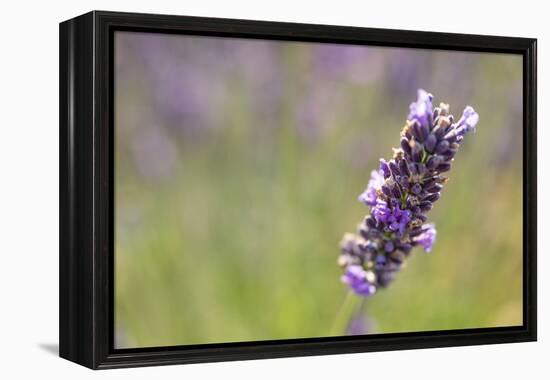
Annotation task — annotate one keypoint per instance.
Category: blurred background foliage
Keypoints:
(238, 166)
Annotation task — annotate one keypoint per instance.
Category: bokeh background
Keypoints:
(238, 165)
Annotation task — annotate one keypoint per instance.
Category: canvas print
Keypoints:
(269, 190)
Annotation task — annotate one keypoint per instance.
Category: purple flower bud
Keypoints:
(394, 169)
(420, 131)
(403, 181)
(421, 217)
(386, 190)
(430, 142)
(388, 247)
(396, 218)
(397, 257)
(424, 130)
(368, 197)
(370, 222)
(426, 206)
(442, 146)
(371, 248)
(469, 119)
(453, 137)
(439, 131)
(352, 246)
(412, 203)
(416, 151)
(434, 162)
(415, 231)
(429, 181)
(416, 188)
(384, 278)
(434, 188)
(427, 237)
(381, 212)
(364, 232)
(384, 168)
(444, 167)
(396, 192)
(449, 154)
(404, 168)
(421, 110)
(432, 197)
(405, 146)
(406, 248)
(421, 169)
(356, 278)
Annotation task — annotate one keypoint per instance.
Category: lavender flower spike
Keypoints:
(401, 193)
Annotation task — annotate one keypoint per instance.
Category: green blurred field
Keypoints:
(231, 233)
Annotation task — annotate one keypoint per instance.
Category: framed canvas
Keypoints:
(235, 189)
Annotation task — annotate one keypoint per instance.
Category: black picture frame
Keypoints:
(86, 189)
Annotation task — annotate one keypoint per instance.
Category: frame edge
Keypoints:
(76, 274)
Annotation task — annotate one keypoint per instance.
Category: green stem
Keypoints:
(425, 156)
(344, 314)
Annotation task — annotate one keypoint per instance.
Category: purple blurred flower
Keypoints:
(400, 195)
(345, 62)
(311, 114)
(358, 279)
(360, 324)
(154, 155)
(404, 70)
(260, 64)
(332, 59)
(368, 197)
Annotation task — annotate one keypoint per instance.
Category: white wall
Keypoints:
(29, 186)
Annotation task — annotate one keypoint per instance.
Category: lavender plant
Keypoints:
(401, 193)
